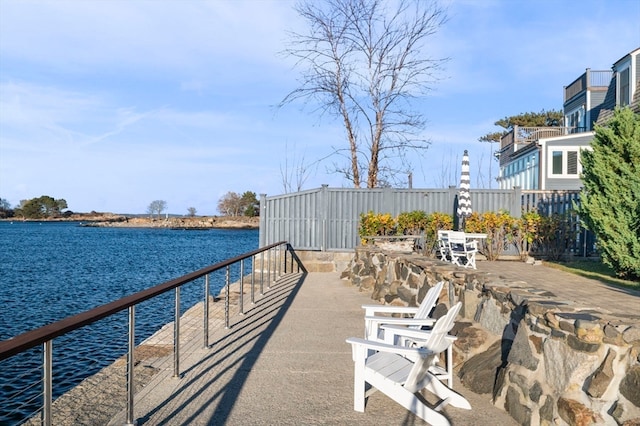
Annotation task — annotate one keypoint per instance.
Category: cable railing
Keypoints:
(106, 342)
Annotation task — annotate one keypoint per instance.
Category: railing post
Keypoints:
(273, 267)
(253, 278)
(241, 287)
(47, 382)
(176, 336)
(261, 273)
(130, 365)
(279, 265)
(226, 297)
(269, 268)
(284, 262)
(205, 326)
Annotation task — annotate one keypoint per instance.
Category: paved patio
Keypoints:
(285, 362)
(577, 290)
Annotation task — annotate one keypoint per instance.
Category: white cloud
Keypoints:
(142, 36)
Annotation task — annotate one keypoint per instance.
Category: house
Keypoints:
(548, 158)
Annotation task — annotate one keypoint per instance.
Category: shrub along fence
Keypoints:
(328, 219)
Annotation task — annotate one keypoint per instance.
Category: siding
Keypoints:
(575, 103)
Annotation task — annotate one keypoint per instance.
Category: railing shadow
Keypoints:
(213, 383)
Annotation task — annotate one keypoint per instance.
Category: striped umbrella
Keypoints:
(464, 198)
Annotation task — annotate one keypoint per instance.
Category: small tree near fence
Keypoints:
(610, 201)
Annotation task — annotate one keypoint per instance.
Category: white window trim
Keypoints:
(565, 160)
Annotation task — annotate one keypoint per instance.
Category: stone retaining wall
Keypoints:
(542, 360)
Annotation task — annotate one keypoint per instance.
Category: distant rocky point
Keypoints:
(94, 219)
(188, 223)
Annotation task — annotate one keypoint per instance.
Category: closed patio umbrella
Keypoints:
(464, 198)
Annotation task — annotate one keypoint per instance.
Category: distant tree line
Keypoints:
(44, 207)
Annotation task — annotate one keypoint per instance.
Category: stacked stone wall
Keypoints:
(543, 360)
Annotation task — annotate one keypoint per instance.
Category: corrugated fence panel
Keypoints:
(494, 200)
(329, 218)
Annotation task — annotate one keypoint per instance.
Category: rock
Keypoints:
(617, 412)
(546, 411)
(469, 337)
(581, 345)
(630, 385)
(521, 413)
(612, 335)
(631, 334)
(491, 317)
(367, 283)
(405, 294)
(623, 416)
(521, 352)
(537, 343)
(601, 378)
(567, 326)
(520, 381)
(552, 320)
(470, 303)
(575, 413)
(535, 392)
(564, 366)
(479, 373)
(589, 331)
(414, 282)
(439, 311)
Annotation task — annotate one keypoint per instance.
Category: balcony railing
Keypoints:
(31, 398)
(523, 135)
(589, 80)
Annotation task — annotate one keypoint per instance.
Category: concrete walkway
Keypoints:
(285, 363)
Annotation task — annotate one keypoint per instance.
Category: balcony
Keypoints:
(521, 136)
(590, 80)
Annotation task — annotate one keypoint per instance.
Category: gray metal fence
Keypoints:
(548, 203)
(328, 218)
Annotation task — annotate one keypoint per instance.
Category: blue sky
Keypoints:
(112, 104)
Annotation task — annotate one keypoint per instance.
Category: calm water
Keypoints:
(49, 271)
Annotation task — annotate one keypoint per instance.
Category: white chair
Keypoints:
(402, 372)
(443, 245)
(462, 252)
(406, 337)
(420, 314)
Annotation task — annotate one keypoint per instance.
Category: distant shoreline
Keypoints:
(123, 221)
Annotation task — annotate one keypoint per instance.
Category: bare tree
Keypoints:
(191, 211)
(294, 172)
(364, 61)
(157, 207)
(230, 204)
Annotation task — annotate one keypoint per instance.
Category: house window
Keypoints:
(556, 163)
(624, 88)
(565, 163)
(572, 162)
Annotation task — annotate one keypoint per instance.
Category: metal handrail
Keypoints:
(46, 334)
(30, 339)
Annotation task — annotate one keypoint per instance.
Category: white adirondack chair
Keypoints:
(419, 319)
(462, 252)
(402, 372)
(443, 245)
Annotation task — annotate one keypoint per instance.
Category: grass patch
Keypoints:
(595, 270)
